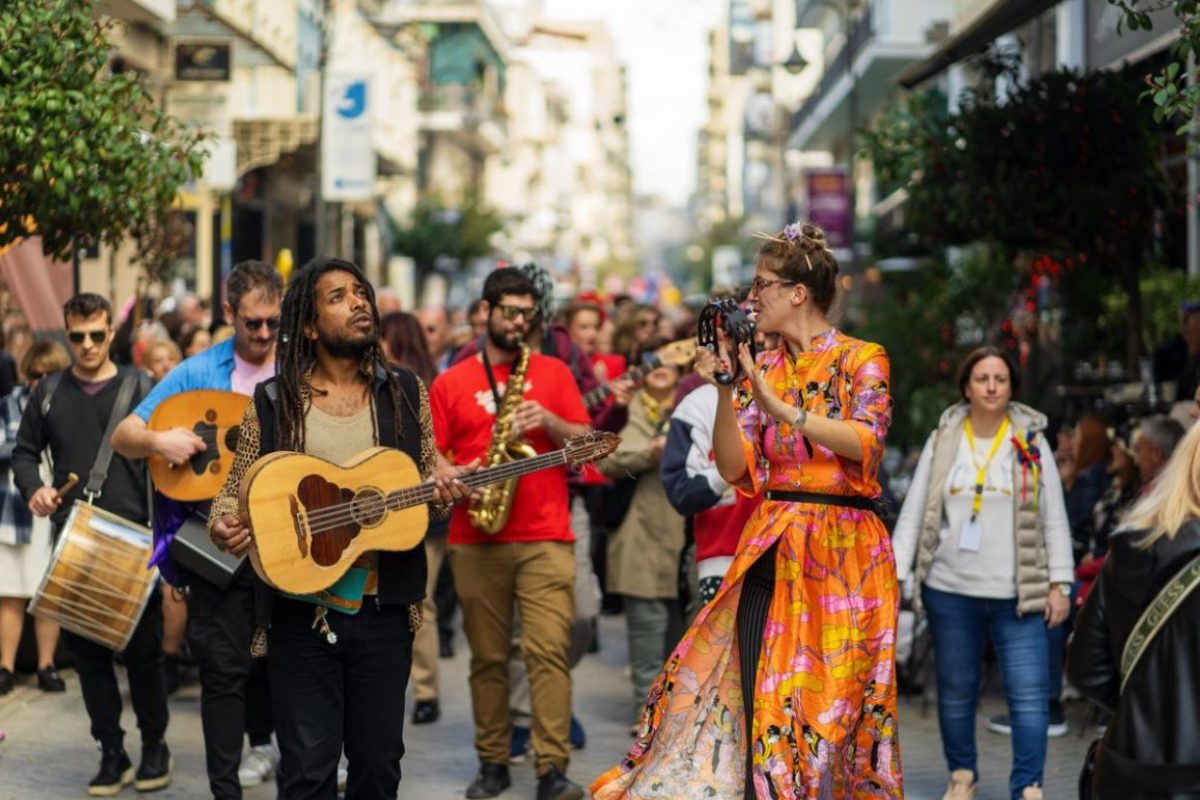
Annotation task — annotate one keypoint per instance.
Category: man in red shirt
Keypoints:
(531, 561)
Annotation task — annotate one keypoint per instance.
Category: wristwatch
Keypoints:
(801, 418)
(1064, 589)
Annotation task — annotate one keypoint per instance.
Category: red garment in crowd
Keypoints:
(718, 529)
(464, 412)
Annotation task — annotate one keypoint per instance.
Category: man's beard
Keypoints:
(508, 342)
(345, 348)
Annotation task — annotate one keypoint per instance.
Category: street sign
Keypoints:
(347, 154)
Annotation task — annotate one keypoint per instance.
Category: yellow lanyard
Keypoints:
(981, 469)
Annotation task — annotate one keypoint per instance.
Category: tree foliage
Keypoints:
(440, 230)
(1062, 170)
(1174, 96)
(83, 152)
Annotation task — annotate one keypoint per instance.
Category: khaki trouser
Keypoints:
(425, 645)
(540, 578)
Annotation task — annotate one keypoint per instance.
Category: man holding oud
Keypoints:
(509, 396)
(338, 659)
(69, 415)
(234, 695)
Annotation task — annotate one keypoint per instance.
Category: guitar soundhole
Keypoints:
(201, 460)
(369, 507)
(210, 416)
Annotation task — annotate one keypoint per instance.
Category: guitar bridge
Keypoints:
(300, 524)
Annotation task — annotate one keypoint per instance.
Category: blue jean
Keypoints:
(960, 626)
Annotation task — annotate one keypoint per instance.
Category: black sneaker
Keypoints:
(50, 681)
(556, 786)
(116, 772)
(491, 780)
(7, 681)
(155, 770)
(426, 711)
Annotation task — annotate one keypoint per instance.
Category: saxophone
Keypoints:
(490, 512)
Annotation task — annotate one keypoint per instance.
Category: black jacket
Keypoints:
(73, 430)
(1152, 746)
(401, 575)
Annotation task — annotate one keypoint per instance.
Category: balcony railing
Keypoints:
(475, 106)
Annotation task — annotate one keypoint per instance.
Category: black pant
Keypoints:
(757, 588)
(147, 682)
(350, 692)
(234, 694)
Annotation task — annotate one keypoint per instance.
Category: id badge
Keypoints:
(970, 538)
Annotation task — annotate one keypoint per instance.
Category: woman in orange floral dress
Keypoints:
(800, 639)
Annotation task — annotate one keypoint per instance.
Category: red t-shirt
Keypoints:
(464, 412)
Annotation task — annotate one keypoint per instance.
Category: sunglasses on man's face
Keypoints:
(77, 337)
(272, 323)
(510, 313)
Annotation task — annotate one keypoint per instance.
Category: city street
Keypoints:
(48, 754)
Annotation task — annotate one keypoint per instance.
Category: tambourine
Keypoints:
(726, 315)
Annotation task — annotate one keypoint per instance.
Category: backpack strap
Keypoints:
(49, 384)
(104, 456)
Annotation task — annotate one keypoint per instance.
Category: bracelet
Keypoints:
(801, 418)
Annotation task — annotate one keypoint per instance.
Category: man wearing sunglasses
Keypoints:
(71, 426)
(234, 695)
(530, 563)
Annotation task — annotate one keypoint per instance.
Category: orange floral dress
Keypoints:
(824, 721)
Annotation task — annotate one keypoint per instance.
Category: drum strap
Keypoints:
(99, 471)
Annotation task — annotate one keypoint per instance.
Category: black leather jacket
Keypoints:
(1152, 746)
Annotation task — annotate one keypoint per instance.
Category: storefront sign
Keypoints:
(829, 204)
(202, 61)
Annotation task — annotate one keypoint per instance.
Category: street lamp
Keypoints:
(796, 63)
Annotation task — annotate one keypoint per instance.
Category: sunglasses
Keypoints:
(510, 313)
(272, 323)
(759, 285)
(77, 337)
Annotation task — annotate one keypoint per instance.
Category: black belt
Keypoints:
(849, 501)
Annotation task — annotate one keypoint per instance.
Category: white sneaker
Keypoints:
(258, 765)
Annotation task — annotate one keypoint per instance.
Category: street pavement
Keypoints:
(49, 754)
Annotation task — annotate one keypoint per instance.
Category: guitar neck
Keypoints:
(601, 393)
(418, 495)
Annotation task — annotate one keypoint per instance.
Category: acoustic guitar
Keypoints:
(312, 519)
(216, 418)
(675, 354)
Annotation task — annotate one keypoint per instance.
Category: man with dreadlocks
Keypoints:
(339, 678)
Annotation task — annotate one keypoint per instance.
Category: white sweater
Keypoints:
(990, 572)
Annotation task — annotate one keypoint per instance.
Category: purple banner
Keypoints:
(829, 204)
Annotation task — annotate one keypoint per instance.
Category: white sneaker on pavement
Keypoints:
(258, 765)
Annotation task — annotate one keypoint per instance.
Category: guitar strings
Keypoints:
(345, 512)
(339, 514)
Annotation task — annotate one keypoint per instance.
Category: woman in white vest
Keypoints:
(984, 533)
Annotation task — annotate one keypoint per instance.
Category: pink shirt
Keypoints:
(246, 375)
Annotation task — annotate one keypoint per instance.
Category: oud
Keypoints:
(675, 354)
(312, 519)
(215, 417)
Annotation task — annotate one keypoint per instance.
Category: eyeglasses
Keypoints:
(77, 337)
(758, 285)
(272, 323)
(510, 313)
(34, 376)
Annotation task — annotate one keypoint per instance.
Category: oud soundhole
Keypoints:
(369, 507)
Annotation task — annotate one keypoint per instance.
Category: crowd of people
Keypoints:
(737, 526)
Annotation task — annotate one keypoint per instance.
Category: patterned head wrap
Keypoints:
(544, 285)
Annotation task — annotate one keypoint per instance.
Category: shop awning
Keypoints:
(1002, 17)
